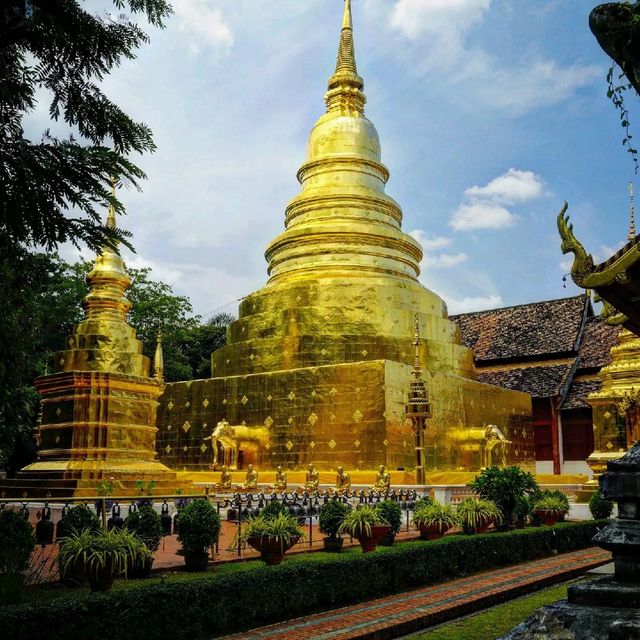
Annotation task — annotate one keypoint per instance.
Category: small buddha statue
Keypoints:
(251, 479)
(281, 479)
(225, 478)
(312, 480)
(343, 480)
(383, 479)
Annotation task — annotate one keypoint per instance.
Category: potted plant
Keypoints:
(17, 543)
(75, 519)
(146, 525)
(272, 536)
(549, 509)
(601, 508)
(434, 520)
(198, 525)
(553, 493)
(103, 554)
(522, 512)
(504, 486)
(390, 511)
(476, 516)
(367, 525)
(331, 516)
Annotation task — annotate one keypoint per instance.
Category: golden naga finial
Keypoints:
(583, 262)
(632, 221)
(345, 85)
(417, 371)
(158, 360)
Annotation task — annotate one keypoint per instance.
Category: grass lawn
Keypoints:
(498, 620)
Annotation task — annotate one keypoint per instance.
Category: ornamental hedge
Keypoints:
(236, 597)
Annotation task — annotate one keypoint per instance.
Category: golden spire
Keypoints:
(345, 85)
(108, 281)
(158, 360)
(417, 371)
(632, 221)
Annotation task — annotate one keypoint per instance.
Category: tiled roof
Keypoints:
(577, 396)
(538, 381)
(597, 340)
(524, 332)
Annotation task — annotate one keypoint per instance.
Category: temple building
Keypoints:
(555, 351)
(98, 408)
(317, 367)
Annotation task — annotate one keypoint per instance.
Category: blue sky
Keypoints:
(490, 114)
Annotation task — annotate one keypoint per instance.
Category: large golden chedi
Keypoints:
(317, 367)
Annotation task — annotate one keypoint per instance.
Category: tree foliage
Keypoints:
(52, 190)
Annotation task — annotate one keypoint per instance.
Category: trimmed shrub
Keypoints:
(145, 523)
(273, 510)
(601, 508)
(215, 604)
(76, 519)
(331, 516)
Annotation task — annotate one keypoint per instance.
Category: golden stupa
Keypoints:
(98, 408)
(616, 405)
(317, 367)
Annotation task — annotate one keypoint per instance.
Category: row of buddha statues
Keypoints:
(312, 480)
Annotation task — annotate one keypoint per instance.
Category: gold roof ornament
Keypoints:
(345, 85)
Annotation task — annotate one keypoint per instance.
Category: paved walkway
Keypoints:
(391, 617)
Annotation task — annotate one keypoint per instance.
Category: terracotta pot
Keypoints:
(74, 575)
(196, 560)
(483, 528)
(271, 551)
(140, 569)
(548, 518)
(432, 532)
(333, 545)
(369, 543)
(101, 580)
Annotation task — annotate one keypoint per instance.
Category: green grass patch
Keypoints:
(497, 621)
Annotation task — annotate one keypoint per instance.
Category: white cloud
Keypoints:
(509, 188)
(437, 17)
(484, 207)
(439, 31)
(205, 25)
(481, 214)
(470, 304)
(444, 260)
(428, 242)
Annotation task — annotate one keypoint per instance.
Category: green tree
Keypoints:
(25, 279)
(52, 191)
(202, 340)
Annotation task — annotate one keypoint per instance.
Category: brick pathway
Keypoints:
(394, 616)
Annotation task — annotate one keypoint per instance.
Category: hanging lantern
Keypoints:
(165, 519)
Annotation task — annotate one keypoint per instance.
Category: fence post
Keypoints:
(104, 512)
